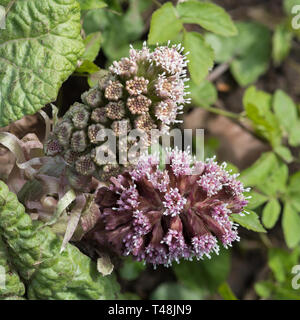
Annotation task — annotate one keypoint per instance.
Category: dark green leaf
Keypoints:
(131, 269)
(206, 274)
(207, 15)
(250, 58)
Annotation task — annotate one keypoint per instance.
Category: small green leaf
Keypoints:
(271, 213)
(249, 221)
(204, 94)
(39, 50)
(258, 109)
(282, 42)
(276, 181)
(164, 25)
(281, 262)
(260, 170)
(256, 200)
(201, 56)
(87, 67)
(92, 46)
(285, 110)
(294, 134)
(284, 153)
(291, 226)
(91, 4)
(293, 190)
(264, 288)
(226, 292)
(208, 15)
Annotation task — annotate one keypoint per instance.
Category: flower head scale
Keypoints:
(160, 216)
(146, 90)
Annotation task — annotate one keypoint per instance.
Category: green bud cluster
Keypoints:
(143, 91)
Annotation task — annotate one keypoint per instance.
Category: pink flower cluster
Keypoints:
(159, 216)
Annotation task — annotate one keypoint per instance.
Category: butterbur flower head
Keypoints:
(164, 215)
(146, 90)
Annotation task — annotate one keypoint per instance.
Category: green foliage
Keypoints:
(175, 291)
(257, 105)
(208, 15)
(38, 55)
(250, 58)
(279, 284)
(35, 253)
(131, 269)
(91, 4)
(168, 21)
(117, 30)
(165, 24)
(226, 292)
(249, 221)
(271, 213)
(282, 42)
(206, 275)
(13, 286)
(203, 95)
(200, 56)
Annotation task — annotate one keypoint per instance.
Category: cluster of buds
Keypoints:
(145, 91)
(163, 215)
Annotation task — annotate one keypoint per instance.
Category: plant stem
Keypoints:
(222, 112)
(157, 3)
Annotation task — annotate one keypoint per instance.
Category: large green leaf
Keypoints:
(39, 49)
(36, 254)
(293, 190)
(249, 221)
(201, 56)
(207, 15)
(165, 25)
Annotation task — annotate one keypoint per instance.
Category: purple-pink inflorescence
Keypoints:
(161, 215)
